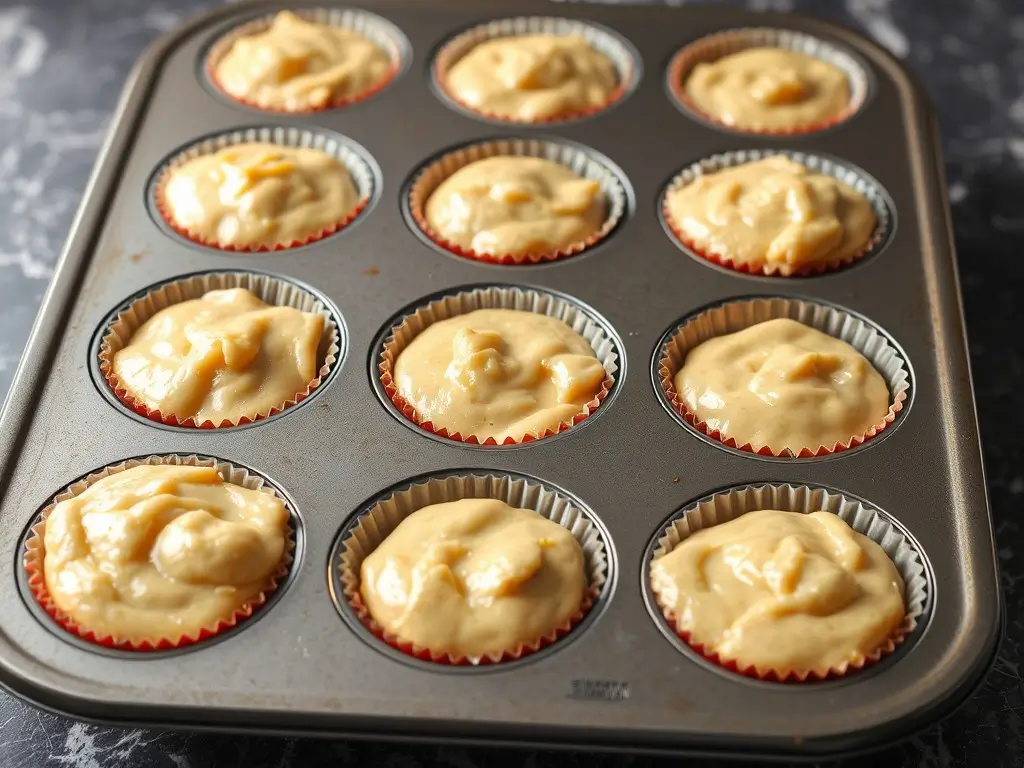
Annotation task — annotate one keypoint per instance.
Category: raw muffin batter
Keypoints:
(533, 77)
(782, 384)
(221, 357)
(253, 195)
(769, 89)
(515, 206)
(782, 591)
(773, 214)
(498, 373)
(161, 552)
(296, 65)
(474, 577)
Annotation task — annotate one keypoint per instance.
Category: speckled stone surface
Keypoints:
(62, 65)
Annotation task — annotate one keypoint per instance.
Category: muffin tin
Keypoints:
(620, 679)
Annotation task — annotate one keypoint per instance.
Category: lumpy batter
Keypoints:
(474, 577)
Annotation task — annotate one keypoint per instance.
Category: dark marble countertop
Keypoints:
(62, 66)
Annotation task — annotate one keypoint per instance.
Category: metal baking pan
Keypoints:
(298, 667)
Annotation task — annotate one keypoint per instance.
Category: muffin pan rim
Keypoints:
(46, 678)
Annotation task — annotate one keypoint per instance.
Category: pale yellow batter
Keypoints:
(774, 214)
(221, 357)
(769, 89)
(533, 77)
(161, 552)
(498, 373)
(782, 591)
(515, 206)
(474, 577)
(253, 195)
(297, 65)
(783, 384)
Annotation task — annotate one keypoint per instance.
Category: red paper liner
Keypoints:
(321, 16)
(602, 41)
(733, 159)
(898, 392)
(35, 553)
(355, 600)
(350, 160)
(429, 178)
(733, 503)
(893, 642)
(128, 321)
(721, 44)
(388, 356)
(372, 527)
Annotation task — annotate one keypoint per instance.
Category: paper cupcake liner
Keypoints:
(369, 25)
(730, 504)
(272, 290)
(34, 554)
(737, 315)
(848, 175)
(579, 161)
(411, 325)
(345, 153)
(716, 46)
(374, 524)
(601, 40)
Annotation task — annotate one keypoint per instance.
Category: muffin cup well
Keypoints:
(34, 554)
(850, 176)
(375, 523)
(495, 297)
(601, 40)
(716, 46)
(369, 25)
(730, 504)
(272, 290)
(351, 159)
(734, 316)
(579, 161)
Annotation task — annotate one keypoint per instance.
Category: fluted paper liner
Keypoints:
(350, 158)
(717, 46)
(848, 175)
(382, 517)
(601, 40)
(496, 297)
(271, 290)
(579, 161)
(375, 29)
(735, 316)
(34, 554)
(730, 504)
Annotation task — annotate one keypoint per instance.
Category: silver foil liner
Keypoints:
(34, 553)
(716, 46)
(348, 154)
(579, 161)
(734, 316)
(272, 290)
(369, 25)
(849, 175)
(730, 504)
(604, 41)
(375, 523)
(496, 297)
